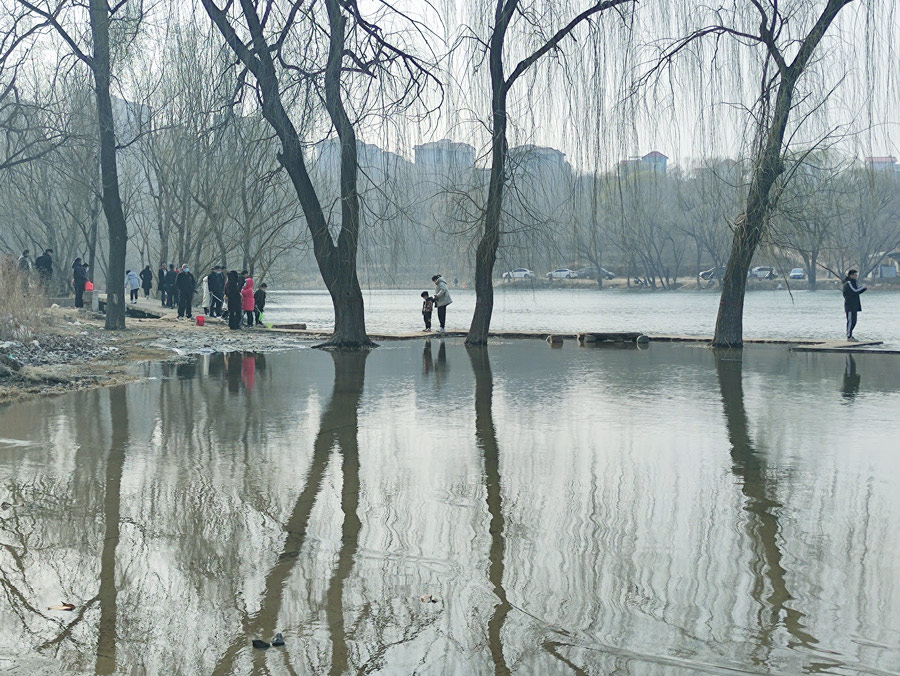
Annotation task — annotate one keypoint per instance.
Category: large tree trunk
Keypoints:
(749, 225)
(486, 253)
(112, 201)
(768, 167)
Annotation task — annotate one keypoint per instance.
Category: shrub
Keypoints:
(23, 303)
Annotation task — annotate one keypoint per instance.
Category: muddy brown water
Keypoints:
(663, 511)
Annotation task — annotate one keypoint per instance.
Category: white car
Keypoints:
(763, 272)
(518, 273)
(797, 273)
(562, 273)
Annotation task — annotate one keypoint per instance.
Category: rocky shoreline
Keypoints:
(74, 352)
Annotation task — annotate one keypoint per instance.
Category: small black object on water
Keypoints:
(278, 640)
(261, 645)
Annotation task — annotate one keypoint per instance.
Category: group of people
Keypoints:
(135, 281)
(176, 286)
(43, 264)
(230, 295)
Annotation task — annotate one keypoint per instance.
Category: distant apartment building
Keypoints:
(368, 156)
(653, 161)
(444, 156)
(885, 163)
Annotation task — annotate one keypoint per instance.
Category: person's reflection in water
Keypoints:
(769, 590)
(337, 427)
(233, 364)
(850, 385)
(248, 370)
(186, 370)
(486, 439)
(107, 635)
(441, 366)
(216, 364)
(427, 360)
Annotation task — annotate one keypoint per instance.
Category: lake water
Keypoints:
(607, 510)
(768, 314)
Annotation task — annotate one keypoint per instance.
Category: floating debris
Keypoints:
(428, 598)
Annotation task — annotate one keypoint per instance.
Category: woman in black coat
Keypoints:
(852, 291)
(233, 294)
(146, 280)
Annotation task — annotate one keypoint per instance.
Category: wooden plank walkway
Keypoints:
(844, 346)
(151, 309)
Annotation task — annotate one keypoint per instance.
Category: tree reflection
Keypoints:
(762, 526)
(338, 426)
(107, 634)
(486, 439)
(349, 373)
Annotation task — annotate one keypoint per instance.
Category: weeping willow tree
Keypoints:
(517, 36)
(784, 48)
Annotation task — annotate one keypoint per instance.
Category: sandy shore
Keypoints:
(74, 352)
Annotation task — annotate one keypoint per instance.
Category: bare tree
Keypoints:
(787, 56)
(355, 45)
(55, 14)
(505, 13)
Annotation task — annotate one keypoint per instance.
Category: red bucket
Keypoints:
(201, 320)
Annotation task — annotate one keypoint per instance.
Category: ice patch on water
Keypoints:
(19, 443)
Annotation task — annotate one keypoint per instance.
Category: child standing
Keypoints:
(427, 305)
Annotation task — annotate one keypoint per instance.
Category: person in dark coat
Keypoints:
(146, 280)
(171, 276)
(185, 285)
(44, 265)
(233, 288)
(161, 283)
(259, 299)
(852, 291)
(216, 285)
(79, 279)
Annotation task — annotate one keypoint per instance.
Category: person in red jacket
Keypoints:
(247, 300)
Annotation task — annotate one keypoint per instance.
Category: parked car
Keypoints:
(763, 272)
(562, 273)
(797, 273)
(713, 273)
(518, 273)
(592, 273)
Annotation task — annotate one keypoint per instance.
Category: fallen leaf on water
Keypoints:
(62, 606)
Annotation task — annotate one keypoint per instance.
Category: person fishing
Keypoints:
(852, 291)
(233, 294)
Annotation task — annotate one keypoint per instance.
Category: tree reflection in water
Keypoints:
(762, 525)
(338, 427)
(486, 438)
